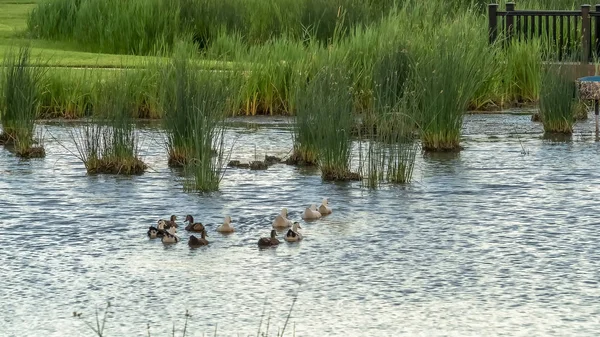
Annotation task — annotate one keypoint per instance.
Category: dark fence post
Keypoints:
(587, 34)
(597, 33)
(510, 20)
(493, 22)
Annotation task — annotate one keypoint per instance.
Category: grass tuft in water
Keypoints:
(324, 122)
(194, 104)
(19, 103)
(109, 143)
(557, 102)
(447, 71)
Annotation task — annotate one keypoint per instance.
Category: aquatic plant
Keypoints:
(109, 142)
(194, 104)
(557, 102)
(324, 121)
(19, 103)
(447, 70)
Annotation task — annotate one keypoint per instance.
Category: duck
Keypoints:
(195, 242)
(324, 209)
(226, 227)
(191, 226)
(153, 232)
(171, 222)
(269, 242)
(169, 238)
(292, 234)
(158, 231)
(311, 213)
(281, 221)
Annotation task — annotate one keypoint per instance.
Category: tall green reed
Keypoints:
(324, 121)
(21, 85)
(447, 70)
(194, 104)
(557, 102)
(109, 142)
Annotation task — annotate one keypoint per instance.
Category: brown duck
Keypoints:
(196, 242)
(191, 226)
(269, 242)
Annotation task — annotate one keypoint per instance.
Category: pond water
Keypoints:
(502, 239)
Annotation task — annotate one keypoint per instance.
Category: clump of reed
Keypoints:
(391, 149)
(19, 103)
(324, 122)
(109, 143)
(194, 104)
(68, 93)
(557, 102)
(447, 69)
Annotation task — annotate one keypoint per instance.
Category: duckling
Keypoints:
(292, 234)
(226, 227)
(169, 238)
(269, 242)
(195, 242)
(281, 221)
(311, 213)
(191, 226)
(324, 209)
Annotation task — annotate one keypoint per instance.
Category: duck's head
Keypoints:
(173, 218)
(324, 202)
(227, 220)
(189, 218)
(313, 207)
(284, 212)
(273, 234)
(295, 226)
(161, 224)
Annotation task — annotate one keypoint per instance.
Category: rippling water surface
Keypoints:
(490, 241)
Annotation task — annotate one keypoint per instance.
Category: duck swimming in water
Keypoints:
(196, 242)
(324, 209)
(169, 238)
(292, 234)
(191, 226)
(269, 242)
(171, 222)
(158, 231)
(281, 221)
(311, 213)
(226, 227)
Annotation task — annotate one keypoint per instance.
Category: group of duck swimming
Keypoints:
(167, 230)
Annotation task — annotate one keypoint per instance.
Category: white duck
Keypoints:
(281, 221)
(292, 234)
(324, 209)
(226, 227)
(311, 213)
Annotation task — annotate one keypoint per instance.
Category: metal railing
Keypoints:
(569, 32)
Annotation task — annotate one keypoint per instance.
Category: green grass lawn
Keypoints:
(13, 25)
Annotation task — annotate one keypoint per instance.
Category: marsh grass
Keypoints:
(557, 102)
(324, 122)
(194, 104)
(21, 85)
(109, 143)
(446, 73)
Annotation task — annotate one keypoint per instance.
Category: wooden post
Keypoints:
(597, 33)
(510, 20)
(493, 22)
(587, 33)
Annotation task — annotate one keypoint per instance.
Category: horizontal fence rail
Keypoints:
(569, 32)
